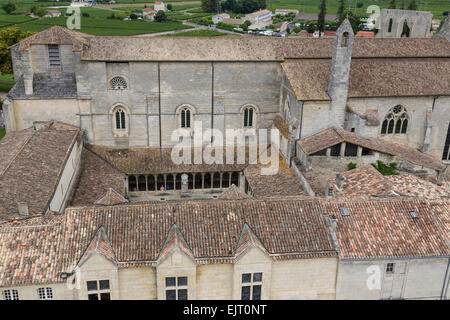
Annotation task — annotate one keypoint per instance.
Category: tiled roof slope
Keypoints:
(32, 174)
(252, 48)
(55, 35)
(99, 244)
(175, 240)
(233, 193)
(371, 77)
(97, 176)
(332, 136)
(32, 252)
(385, 229)
(110, 198)
(154, 160)
(211, 229)
(47, 85)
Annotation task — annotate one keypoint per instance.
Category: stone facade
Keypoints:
(392, 23)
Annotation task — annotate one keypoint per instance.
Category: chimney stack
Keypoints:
(23, 209)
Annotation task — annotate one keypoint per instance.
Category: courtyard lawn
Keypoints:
(2, 133)
(6, 82)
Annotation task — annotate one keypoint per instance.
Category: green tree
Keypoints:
(392, 4)
(311, 27)
(39, 11)
(354, 20)
(209, 5)
(169, 7)
(412, 5)
(9, 7)
(341, 9)
(297, 29)
(9, 37)
(160, 16)
(321, 18)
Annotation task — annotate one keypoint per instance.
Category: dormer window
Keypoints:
(54, 58)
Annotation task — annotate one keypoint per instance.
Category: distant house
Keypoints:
(53, 14)
(435, 23)
(148, 14)
(314, 17)
(285, 12)
(259, 16)
(159, 5)
(365, 34)
(234, 22)
(260, 25)
(219, 17)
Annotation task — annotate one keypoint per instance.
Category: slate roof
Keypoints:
(385, 229)
(135, 160)
(33, 164)
(97, 176)
(47, 85)
(333, 136)
(371, 77)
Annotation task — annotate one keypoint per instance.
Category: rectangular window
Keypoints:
(98, 290)
(390, 268)
(176, 288)
(251, 286)
(53, 57)
(446, 154)
(10, 294)
(45, 293)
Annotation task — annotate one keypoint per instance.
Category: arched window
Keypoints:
(249, 114)
(120, 119)
(406, 30)
(118, 83)
(396, 121)
(185, 118)
(344, 39)
(390, 25)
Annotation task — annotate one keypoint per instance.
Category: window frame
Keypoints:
(185, 114)
(120, 78)
(390, 268)
(251, 285)
(54, 54)
(246, 123)
(98, 291)
(177, 287)
(13, 294)
(47, 293)
(395, 123)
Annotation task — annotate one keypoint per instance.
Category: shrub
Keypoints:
(297, 29)
(9, 7)
(133, 16)
(160, 16)
(351, 166)
(384, 169)
(85, 15)
(169, 7)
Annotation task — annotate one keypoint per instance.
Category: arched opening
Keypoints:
(390, 126)
(120, 119)
(405, 31)
(404, 126)
(207, 180)
(384, 126)
(390, 25)
(190, 181)
(216, 180)
(151, 183)
(142, 183)
(344, 40)
(118, 83)
(198, 181)
(396, 121)
(235, 178)
(185, 118)
(160, 182)
(225, 180)
(132, 184)
(249, 117)
(178, 181)
(170, 183)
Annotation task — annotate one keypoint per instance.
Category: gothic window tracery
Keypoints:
(118, 83)
(396, 121)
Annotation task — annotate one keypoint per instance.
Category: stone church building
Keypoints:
(91, 205)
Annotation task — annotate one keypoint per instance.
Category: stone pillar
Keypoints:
(342, 152)
(359, 152)
(184, 184)
(165, 182)
(242, 181)
(203, 181)
(328, 152)
(220, 180)
(146, 182)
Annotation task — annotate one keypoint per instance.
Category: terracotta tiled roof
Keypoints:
(248, 239)
(33, 164)
(175, 240)
(97, 176)
(412, 186)
(333, 136)
(233, 193)
(371, 77)
(154, 160)
(283, 183)
(56, 35)
(282, 125)
(386, 229)
(110, 198)
(99, 244)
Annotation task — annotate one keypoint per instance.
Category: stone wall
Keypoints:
(419, 23)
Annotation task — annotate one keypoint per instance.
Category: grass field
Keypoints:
(6, 82)
(437, 7)
(198, 33)
(2, 133)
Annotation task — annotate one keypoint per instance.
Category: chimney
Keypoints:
(339, 181)
(340, 72)
(23, 209)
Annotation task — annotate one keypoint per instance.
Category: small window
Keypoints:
(186, 118)
(249, 117)
(45, 293)
(118, 83)
(344, 40)
(98, 290)
(53, 57)
(10, 294)
(120, 119)
(390, 268)
(251, 286)
(446, 152)
(390, 25)
(176, 288)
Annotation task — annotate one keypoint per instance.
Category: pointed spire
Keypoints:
(248, 239)
(99, 244)
(175, 240)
